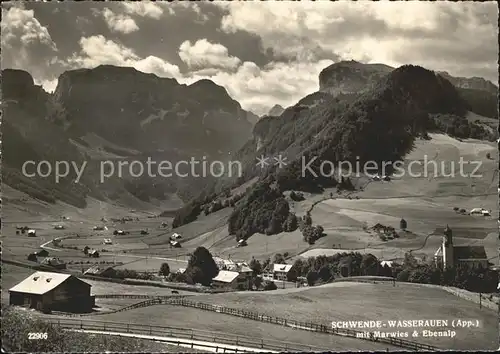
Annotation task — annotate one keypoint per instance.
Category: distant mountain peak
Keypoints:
(276, 110)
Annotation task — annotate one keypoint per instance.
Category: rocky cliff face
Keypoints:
(148, 113)
(350, 77)
(475, 83)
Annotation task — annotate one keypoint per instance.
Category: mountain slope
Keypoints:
(118, 113)
(148, 113)
(379, 123)
(348, 77)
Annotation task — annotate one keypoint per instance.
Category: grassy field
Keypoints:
(202, 320)
(366, 301)
(17, 323)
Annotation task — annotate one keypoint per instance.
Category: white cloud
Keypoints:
(259, 89)
(48, 85)
(119, 23)
(21, 28)
(203, 54)
(97, 50)
(172, 8)
(143, 9)
(431, 34)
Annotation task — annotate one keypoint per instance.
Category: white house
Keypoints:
(107, 241)
(386, 263)
(175, 236)
(31, 232)
(175, 244)
(231, 280)
(476, 211)
(280, 271)
(225, 279)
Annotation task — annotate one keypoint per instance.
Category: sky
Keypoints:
(263, 52)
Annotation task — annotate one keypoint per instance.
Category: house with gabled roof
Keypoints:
(48, 291)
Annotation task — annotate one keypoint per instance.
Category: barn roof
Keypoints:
(469, 252)
(41, 282)
(52, 261)
(282, 267)
(96, 270)
(226, 276)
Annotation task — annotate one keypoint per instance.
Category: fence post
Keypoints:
(150, 329)
(262, 343)
(192, 334)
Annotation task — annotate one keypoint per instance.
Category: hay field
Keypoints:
(366, 301)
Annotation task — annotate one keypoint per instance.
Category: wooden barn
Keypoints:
(47, 291)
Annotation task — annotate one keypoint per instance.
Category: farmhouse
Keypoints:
(175, 244)
(54, 262)
(227, 279)
(280, 271)
(480, 211)
(100, 272)
(175, 236)
(449, 256)
(94, 254)
(31, 233)
(46, 291)
(42, 253)
(386, 263)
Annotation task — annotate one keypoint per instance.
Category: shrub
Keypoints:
(311, 278)
(17, 324)
(269, 285)
(164, 269)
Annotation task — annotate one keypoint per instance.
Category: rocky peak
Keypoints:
(350, 76)
(476, 83)
(17, 84)
(276, 110)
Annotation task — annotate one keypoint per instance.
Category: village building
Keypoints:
(93, 253)
(47, 291)
(345, 267)
(54, 262)
(280, 271)
(175, 236)
(42, 253)
(450, 256)
(31, 233)
(175, 244)
(244, 271)
(386, 263)
(100, 271)
(227, 279)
